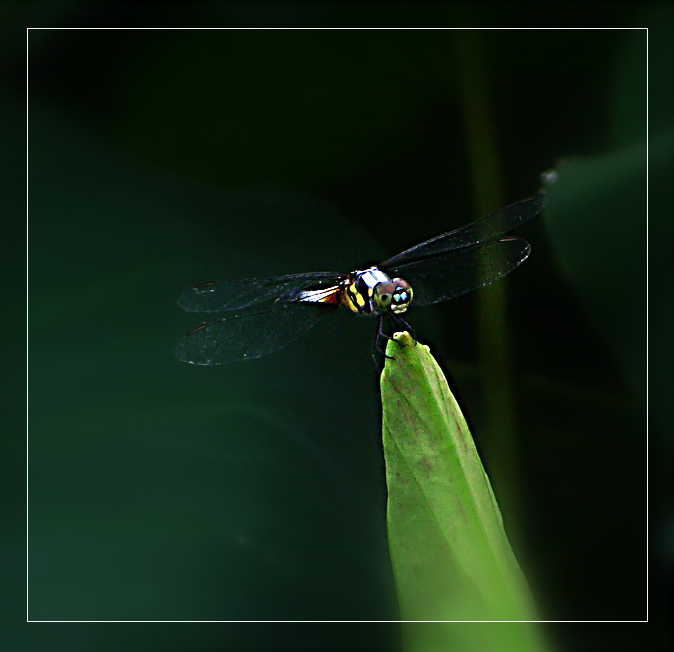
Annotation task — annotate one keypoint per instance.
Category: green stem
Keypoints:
(493, 340)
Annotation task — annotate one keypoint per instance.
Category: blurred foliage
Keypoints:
(598, 220)
(210, 456)
(162, 159)
(600, 203)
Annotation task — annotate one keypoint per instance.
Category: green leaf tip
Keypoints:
(450, 555)
(402, 349)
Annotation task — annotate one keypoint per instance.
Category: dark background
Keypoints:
(159, 159)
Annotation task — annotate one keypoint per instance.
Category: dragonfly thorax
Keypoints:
(372, 292)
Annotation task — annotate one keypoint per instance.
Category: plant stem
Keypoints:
(493, 339)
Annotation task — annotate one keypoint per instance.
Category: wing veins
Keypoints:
(464, 270)
(481, 231)
(240, 294)
(246, 335)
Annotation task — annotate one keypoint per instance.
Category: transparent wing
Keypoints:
(242, 293)
(248, 335)
(445, 277)
(487, 228)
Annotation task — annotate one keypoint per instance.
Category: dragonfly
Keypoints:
(257, 316)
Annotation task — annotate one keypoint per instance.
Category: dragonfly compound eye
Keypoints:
(382, 295)
(402, 295)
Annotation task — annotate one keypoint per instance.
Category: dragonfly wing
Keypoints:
(487, 228)
(238, 294)
(445, 277)
(248, 335)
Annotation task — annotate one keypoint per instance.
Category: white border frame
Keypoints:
(28, 29)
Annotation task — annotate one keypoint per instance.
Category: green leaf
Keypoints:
(450, 554)
(598, 226)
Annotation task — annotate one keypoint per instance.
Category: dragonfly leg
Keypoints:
(401, 323)
(376, 345)
(382, 334)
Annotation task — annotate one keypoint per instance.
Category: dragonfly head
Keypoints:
(394, 296)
